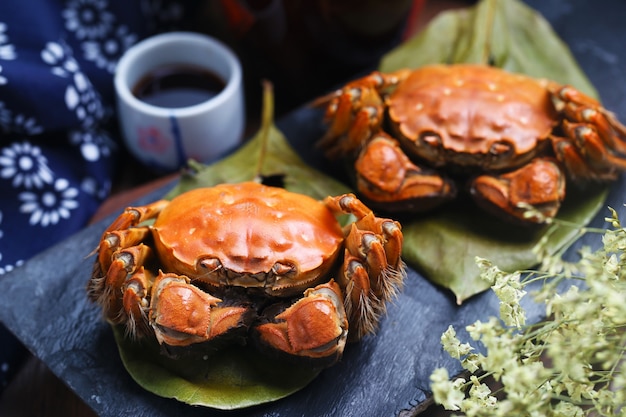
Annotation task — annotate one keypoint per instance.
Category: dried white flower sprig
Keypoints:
(570, 364)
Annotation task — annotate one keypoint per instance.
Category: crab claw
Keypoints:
(388, 179)
(314, 327)
(182, 314)
(540, 184)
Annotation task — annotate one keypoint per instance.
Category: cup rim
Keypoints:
(137, 50)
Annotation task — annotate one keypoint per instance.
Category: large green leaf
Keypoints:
(503, 33)
(227, 379)
(236, 377)
(507, 34)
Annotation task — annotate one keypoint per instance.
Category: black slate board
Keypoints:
(44, 301)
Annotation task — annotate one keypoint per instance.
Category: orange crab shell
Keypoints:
(511, 110)
(249, 233)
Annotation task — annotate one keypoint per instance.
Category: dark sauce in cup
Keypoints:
(178, 85)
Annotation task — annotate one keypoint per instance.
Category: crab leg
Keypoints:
(610, 130)
(104, 289)
(586, 157)
(355, 112)
(594, 146)
(135, 302)
(132, 216)
(353, 116)
(372, 270)
(576, 106)
(313, 327)
(117, 240)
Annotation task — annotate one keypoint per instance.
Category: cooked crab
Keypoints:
(240, 260)
(415, 133)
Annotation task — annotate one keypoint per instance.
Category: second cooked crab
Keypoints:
(515, 139)
(239, 261)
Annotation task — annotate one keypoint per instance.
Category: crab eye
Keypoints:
(500, 148)
(210, 264)
(431, 139)
(281, 269)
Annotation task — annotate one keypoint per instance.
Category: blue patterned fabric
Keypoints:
(58, 145)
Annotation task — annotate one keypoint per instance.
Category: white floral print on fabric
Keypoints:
(56, 153)
(25, 165)
(88, 19)
(6, 268)
(51, 204)
(102, 39)
(106, 52)
(94, 144)
(92, 186)
(7, 51)
(80, 96)
(20, 123)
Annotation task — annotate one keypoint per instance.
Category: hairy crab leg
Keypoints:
(135, 302)
(610, 130)
(353, 116)
(104, 289)
(355, 112)
(119, 239)
(392, 233)
(133, 216)
(372, 270)
(389, 230)
(598, 162)
(594, 142)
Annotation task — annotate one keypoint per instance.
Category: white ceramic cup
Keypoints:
(164, 138)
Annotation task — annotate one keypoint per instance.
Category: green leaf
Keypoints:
(236, 377)
(444, 244)
(503, 33)
(227, 379)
